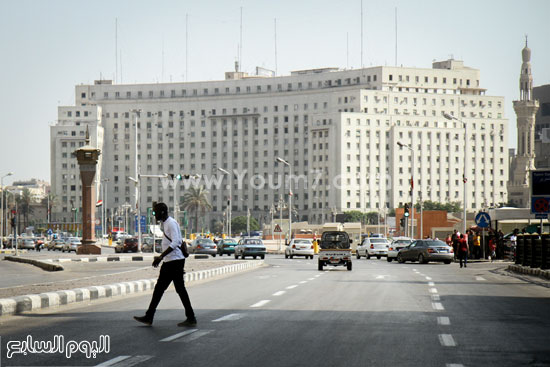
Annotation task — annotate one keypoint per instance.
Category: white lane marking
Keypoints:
(433, 290)
(381, 276)
(303, 282)
(196, 335)
(480, 278)
(435, 297)
(317, 276)
(311, 279)
(454, 365)
(261, 303)
(111, 362)
(178, 335)
(279, 293)
(230, 317)
(443, 320)
(414, 270)
(292, 286)
(447, 340)
(431, 284)
(437, 306)
(428, 278)
(126, 361)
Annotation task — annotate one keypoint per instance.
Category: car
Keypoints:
(299, 247)
(147, 244)
(335, 250)
(227, 246)
(373, 246)
(58, 244)
(250, 247)
(27, 244)
(397, 244)
(71, 244)
(204, 246)
(424, 251)
(130, 245)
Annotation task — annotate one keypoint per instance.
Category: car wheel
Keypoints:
(378, 257)
(349, 265)
(242, 256)
(311, 257)
(400, 259)
(214, 255)
(320, 265)
(421, 259)
(389, 259)
(254, 257)
(236, 256)
(262, 257)
(447, 262)
(286, 256)
(292, 256)
(368, 256)
(357, 255)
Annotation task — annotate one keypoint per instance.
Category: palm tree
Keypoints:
(196, 199)
(50, 201)
(25, 201)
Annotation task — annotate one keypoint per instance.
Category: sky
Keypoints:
(47, 47)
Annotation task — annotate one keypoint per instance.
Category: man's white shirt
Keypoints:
(172, 230)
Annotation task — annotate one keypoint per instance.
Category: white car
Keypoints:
(397, 244)
(71, 244)
(299, 247)
(373, 247)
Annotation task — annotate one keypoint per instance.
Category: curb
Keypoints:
(11, 251)
(32, 302)
(530, 271)
(41, 264)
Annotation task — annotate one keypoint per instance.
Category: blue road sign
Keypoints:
(143, 223)
(50, 232)
(483, 220)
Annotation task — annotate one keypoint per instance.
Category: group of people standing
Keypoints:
(469, 245)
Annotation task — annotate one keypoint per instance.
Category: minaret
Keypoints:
(524, 161)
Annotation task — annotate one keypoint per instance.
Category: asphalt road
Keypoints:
(290, 314)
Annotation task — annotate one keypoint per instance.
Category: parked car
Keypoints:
(204, 246)
(250, 247)
(227, 246)
(373, 246)
(71, 244)
(396, 245)
(299, 247)
(424, 251)
(147, 244)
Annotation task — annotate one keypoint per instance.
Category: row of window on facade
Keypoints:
(435, 79)
(415, 100)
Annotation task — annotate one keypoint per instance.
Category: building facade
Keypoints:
(338, 130)
(542, 127)
(524, 161)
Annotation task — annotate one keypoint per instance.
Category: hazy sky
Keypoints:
(48, 47)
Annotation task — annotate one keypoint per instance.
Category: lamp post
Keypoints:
(104, 206)
(464, 178)
(412, 185)
(278, 159)
(230, 199)
(136, 113)
(280, 206)
(272, 212)
(2, 208)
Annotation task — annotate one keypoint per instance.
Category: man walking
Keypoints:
(463, 250)
(171, 270)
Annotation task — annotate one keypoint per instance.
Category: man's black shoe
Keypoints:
(144, 320)
(188, 323)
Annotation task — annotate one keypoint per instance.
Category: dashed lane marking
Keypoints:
(311, 279)
(480, 278)
(433, 290)
(437, 306)
(125, 361)
(318, 275)
(428, 278)
(179, 335)
(279, 293)
(447, 340)
(443, 320)
(454, 365)
(195, 336)
(230, 317)
(261, 303)
(431, 284)
(303, 282)
(292, 286)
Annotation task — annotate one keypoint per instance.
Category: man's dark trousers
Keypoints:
(171, 271)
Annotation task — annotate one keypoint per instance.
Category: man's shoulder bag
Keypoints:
(183, 246)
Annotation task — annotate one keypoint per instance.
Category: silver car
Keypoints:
(397, 245)
(373, 246)
(424, 251)
(250, 247)
(71, 244)
(204, 246)
(27, 244)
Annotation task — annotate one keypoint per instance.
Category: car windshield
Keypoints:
(402, 242)
(335, 240)
(205, 241)
(74, 239)
(302, 241)
(229, 242)
(378, 240)
(253, 242)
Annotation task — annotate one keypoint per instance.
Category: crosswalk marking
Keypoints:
(179, 335)
(230, 317)
(437, 306)
(195, 336)
(480, 278)
(113, 361)
(433, 290)
(443, 320)
(431, 284)
(435, 297)
(125, 361)
(447, 340)
(279, 293)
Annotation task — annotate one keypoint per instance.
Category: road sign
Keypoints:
(143, 223)
(50, 232)
(483, 220)
(541, 216)
(540, 183)
(277, 228)
(540, 205)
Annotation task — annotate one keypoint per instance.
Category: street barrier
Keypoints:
(533, 250)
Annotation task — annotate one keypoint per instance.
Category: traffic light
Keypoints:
(13, 221)
(402, 222)
(182, 177)
(406, 214)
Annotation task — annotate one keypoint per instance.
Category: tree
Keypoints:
(196, 199)
(50, 201)
(353, 216)
(372, 217)
(451, 207)
(24, 205)
(238, 224)
(217, 226)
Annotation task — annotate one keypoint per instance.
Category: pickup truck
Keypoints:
(335, 250)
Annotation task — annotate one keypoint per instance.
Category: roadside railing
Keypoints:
(533, 250)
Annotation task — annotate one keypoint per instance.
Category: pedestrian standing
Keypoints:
(477, 246)
(463, 250)
(173, 256)
(492, 248)
(455, 238)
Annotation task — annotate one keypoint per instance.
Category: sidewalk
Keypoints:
(16, 300)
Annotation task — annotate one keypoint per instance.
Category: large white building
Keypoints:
(337, 128)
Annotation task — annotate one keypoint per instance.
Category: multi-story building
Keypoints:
(338, 129)
(542, 127)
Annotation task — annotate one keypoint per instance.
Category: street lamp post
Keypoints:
(289, 196)
(136, 113)
(464, 177)
(2, 208)
(412, 185)
(104, 206)
(230, 199)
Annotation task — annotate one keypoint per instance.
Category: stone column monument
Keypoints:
(87, 157)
